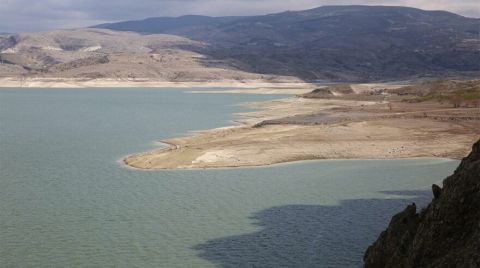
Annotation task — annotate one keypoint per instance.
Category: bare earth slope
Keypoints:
(105, 54)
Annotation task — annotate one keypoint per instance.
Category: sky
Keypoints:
(43, 15)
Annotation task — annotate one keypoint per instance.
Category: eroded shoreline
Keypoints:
(59, 82)
(297, 129)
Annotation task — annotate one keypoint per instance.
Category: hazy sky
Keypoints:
(38, 15)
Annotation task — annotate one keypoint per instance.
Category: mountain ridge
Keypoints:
(333, 43)
(119, 24)
(347, 42)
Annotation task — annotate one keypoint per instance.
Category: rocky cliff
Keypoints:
(444, 234)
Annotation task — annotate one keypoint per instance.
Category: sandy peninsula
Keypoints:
(295, 128)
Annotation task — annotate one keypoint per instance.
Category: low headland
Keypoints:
(359, 121)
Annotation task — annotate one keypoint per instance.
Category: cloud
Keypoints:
(28, 15)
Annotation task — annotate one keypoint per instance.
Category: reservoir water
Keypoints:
(65, 201)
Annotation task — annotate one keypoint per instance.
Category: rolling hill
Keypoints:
(335, 43)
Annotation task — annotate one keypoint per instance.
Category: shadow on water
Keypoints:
(310, 235)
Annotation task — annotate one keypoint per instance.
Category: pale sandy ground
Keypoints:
(233, 86)
(279, 86)
(284, 88)
(301, 88)
(373, 138)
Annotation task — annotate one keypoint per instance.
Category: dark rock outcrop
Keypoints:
(341, 89)
(445, 234)
(437, 191)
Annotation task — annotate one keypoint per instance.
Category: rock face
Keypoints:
(445, 234)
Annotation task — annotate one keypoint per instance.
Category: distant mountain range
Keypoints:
(348, 43)
(169, 25)
(333, 42)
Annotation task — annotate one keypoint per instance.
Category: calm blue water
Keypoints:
(66, 202)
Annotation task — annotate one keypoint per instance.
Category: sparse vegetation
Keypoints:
(458, 93)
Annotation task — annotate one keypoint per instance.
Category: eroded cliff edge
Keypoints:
(444, 234)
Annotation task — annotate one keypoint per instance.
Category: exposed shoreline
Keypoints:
(123, 164)
(52, 82)
(283, 132)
